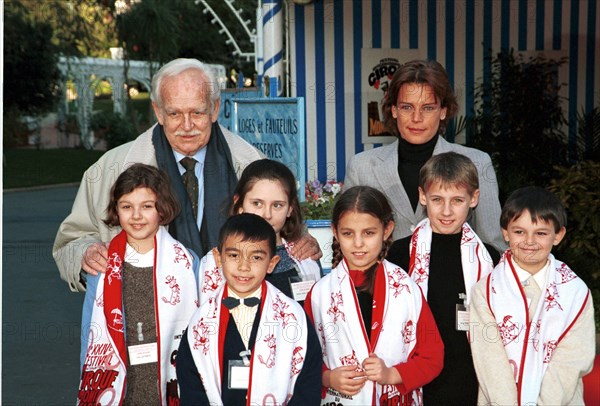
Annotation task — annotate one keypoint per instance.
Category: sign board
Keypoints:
(275, 126)
(227, 95)
(379, 65)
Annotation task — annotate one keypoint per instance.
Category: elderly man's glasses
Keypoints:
(408, 109)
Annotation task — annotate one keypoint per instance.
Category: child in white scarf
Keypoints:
(135, 313)
(445, 257)
(533, 337)
(380, 342)
(248, 343)
(267, 188)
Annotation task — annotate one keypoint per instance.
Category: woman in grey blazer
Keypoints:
(417, 107)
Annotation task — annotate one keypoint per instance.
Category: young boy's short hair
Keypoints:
(449, 168)
(540, 203)
(251, 228)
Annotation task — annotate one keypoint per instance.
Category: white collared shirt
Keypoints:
(244, 315)
(539, 277)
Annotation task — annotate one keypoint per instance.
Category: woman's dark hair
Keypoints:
(274, 171)
(540, 203)
(249, 227)
(140, 176)
(368, 200)
(421, 72)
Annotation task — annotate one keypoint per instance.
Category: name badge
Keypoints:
(239, 375)
(143, 353)
(301, 289)
(462, 318)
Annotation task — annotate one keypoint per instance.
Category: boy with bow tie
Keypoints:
(249, 343)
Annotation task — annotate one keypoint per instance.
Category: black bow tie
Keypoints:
(232, 302)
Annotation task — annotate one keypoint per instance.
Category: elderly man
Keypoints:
(202, 159)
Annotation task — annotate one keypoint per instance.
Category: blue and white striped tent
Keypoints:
(328, 36)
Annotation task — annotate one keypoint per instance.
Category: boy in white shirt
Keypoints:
(532, 317)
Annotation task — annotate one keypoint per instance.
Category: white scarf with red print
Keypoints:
(176, 299)
(529, 343)
(475, 259)
(278, 354)
(397, 305)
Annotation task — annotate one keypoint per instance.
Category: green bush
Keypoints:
(113, 128)
(588, 135)
(519, 120)
(15, 132)
(577, 188)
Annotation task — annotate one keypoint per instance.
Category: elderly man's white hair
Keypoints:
(175, 67)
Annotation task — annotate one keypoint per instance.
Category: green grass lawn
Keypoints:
(31, 167)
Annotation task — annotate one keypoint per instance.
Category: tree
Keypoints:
(222, 52)
(518, 120)
(149, 31)
(79, 28)
(154, 30)
(31, 76)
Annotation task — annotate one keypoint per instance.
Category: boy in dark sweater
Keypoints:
(446, 258)
(249, 343)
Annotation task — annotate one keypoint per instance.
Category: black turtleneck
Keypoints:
(446, 282)
(411, 158)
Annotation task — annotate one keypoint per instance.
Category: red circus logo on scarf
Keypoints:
(175, 298)
(509, 330)
(180, 256)
(395, 279)
(408, 332)
(566, 274)
(201, 333)
(99, 374)
(272, 345)
(96, 386)
(212, 280)
(297, 360)
(467, 236)
(335, 310)
(280, 307)
(113, 268)
(351, 360)
(421, 266)
(552, 297)
(117, 322)
(390, 396)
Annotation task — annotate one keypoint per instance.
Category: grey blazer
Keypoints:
(378, 168)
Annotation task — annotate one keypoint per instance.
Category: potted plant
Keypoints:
(316, 210)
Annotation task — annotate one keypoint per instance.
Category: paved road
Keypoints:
(40, 316)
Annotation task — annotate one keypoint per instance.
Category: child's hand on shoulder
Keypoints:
(377, 371)
(347, 380)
